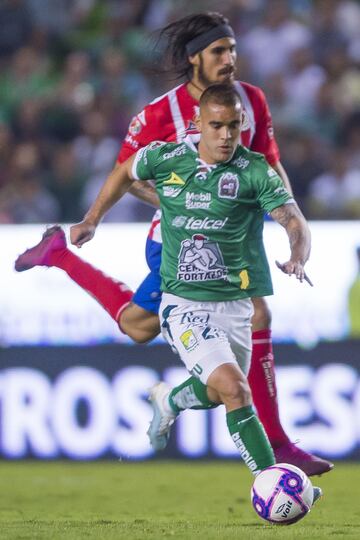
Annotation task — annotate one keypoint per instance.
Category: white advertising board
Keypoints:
(39, 416)
(43, 306)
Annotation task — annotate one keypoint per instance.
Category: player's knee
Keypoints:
(141, 339)
(262, 314)
(139, 336)
(136, 334)
(237, 391)
(140, 326)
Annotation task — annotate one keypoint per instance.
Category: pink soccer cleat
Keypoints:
(310, 464)
(53, 239)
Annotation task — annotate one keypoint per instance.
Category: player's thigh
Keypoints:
(139, 324)
(239, 315)
(262, 314)
(193, 332)
(230, 384)
(140, 319)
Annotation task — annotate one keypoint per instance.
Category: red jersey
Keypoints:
(171, 116)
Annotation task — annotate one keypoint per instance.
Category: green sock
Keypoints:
(191, 394)
(250, 439)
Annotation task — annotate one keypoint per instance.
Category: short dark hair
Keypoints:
(175, 36)
(221, 94)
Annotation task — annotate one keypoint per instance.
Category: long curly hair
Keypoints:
(175, 36)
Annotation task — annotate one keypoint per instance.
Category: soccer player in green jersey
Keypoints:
(200, 48)
(213, 194)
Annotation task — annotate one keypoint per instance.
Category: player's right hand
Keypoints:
(290, 268)
(82, 232)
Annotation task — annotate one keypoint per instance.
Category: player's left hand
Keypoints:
(296, 268)
(81, 232)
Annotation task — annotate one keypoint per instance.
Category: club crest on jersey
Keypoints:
(135, 126)
(200, 260)
(228, 186)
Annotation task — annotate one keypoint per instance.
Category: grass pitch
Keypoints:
(159, 500)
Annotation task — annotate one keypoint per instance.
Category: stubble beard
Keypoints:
(205, 82)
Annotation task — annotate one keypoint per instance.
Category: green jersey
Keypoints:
(212, 219)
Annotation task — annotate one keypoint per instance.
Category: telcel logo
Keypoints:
(196, 224)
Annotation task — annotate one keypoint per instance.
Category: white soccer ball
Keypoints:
(282, 494)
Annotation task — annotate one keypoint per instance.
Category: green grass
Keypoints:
(107, 500)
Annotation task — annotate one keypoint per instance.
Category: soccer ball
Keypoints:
(282, 494)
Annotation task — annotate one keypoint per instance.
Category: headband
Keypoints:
(199, 43)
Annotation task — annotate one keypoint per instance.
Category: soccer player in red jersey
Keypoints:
(203, 50)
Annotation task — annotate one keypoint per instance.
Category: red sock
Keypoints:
(263, 386)
(113, 295)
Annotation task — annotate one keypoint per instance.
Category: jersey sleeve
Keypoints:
(269, 188)
(143, 129)
(145, 161)
(264, 141)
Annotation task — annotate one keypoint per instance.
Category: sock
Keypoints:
(113, 295)
(263, 387)
(191, 394)
(250, 439)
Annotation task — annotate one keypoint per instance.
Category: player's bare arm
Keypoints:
(293, 221)
(143, 191)
(116, 185)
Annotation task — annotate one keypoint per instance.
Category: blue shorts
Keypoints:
(148, 294)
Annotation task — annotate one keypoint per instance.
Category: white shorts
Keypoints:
(207, 334)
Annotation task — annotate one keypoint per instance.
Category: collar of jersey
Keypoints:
(191, 141)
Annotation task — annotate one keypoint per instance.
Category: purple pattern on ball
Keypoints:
(265, 505)
(290, 483)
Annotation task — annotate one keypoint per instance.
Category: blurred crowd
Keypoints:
(74, 72)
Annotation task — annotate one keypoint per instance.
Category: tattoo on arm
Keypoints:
(295, 237)
(291, 218)
(285, 213)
